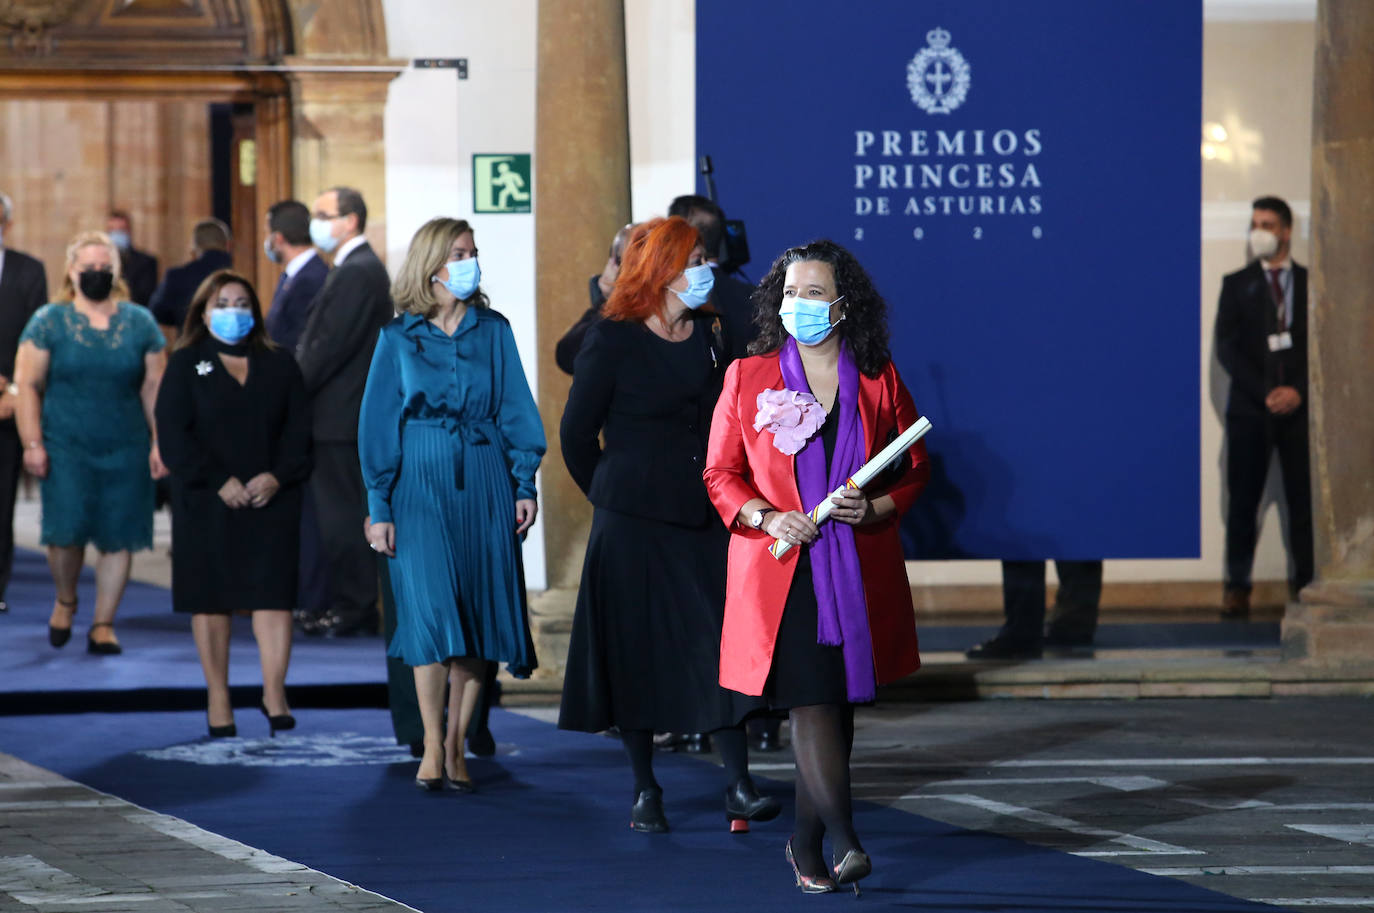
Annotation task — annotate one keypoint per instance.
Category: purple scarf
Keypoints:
(842, 612)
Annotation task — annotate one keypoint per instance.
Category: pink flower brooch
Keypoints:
(792, 417)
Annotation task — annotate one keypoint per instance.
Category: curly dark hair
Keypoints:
(864, 327)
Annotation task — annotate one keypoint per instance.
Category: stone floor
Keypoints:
(64, 847)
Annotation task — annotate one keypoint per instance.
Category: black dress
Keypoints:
(645, 651)
(210, 429)
(804, 671)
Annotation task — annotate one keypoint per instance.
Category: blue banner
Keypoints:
(1022, 180)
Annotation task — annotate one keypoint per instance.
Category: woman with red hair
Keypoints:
(646, 634)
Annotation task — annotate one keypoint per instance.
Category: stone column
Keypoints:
(337, 130)
(1334, 622)
(582, 181)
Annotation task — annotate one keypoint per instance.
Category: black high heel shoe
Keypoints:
(854, 866)
(647, 814)
(221, 732)
(818, 885)
(744, 804)
(283, 721)
(58, 637)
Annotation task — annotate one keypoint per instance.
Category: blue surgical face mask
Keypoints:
(807, 319)
(270, 251)
(700, 281)
(231, 324)
(463, 278)
(320, 234)
(121, 240)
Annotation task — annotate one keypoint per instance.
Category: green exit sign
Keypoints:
(501, 183)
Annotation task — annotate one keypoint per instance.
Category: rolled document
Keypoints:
(866, 473)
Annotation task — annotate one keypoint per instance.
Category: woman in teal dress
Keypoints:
(88, 368)
(450, 440)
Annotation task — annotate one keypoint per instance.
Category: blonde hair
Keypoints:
(428, 253)
(120, 291)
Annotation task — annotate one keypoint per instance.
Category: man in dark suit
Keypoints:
(23, 290)
(334, 354)
(139, 268)
(1261, 335)
(1024, 634)
(288, 242)
(209, 252)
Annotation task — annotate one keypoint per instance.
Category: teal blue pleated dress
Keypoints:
(99, 488)
(450, 437)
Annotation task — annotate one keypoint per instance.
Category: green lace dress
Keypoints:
(98, 488)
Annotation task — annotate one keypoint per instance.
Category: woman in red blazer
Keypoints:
(817, 631)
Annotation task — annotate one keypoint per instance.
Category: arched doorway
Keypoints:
(112, 103)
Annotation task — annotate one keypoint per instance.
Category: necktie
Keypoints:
(1280, 301)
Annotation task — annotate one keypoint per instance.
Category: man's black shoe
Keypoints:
(1068, 649)
(998, 648)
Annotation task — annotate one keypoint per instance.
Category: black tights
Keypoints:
(730, 742)
(822, 739)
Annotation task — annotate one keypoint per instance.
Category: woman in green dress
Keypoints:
(88, 369)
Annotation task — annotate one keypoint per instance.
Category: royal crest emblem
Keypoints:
(938, 76)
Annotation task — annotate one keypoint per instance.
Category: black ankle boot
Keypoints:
(647, 814)
(743, 802)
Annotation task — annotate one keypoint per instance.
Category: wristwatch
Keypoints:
(756, 518)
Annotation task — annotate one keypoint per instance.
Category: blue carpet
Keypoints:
(159, 655)
(548, 829)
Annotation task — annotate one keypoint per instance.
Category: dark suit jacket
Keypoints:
(291, 303)
(336, 346)
(173, 297)
(654, 423)
(1246, 315)
(140, 272)
(733, 299)
(23, 290)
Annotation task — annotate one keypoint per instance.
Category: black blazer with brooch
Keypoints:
(1246, 316)
(653, 400)
(23, 290)
(335, 351)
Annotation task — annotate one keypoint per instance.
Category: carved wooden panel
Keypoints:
(90, 34)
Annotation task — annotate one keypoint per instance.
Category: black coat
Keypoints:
(23, 290)
(291, 303)
(1246, 316)
(656, 420)
(211, 429)
(140, 272)
(172, 299)
(335, 350)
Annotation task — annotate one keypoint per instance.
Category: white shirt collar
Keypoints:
(298, 262)
(1285, 264)
(349, 247)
